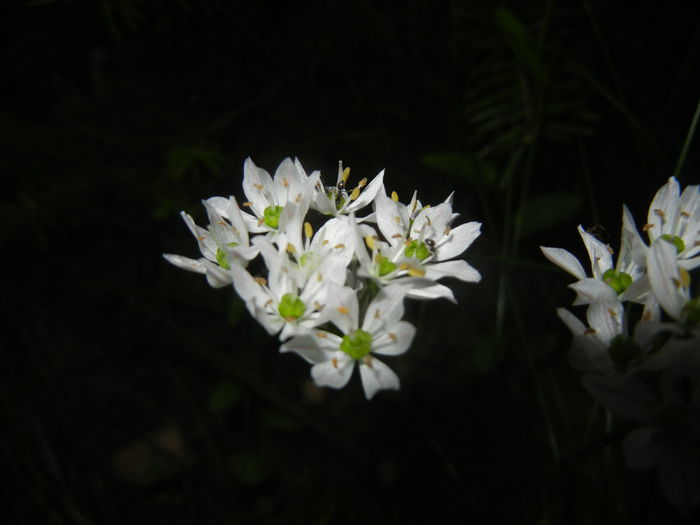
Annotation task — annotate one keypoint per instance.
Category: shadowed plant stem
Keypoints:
(688, 139)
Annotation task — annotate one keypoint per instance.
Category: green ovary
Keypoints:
(357, 345)
(417, 249)
(618, 281)
(222, 258)
(271, 215)
(291, 307)
(385, 267)
(675, 240)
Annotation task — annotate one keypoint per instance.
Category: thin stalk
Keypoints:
(686, 145)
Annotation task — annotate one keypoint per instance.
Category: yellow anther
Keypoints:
(394, 196)
(396, 236)
(261, 281)
(612, 313)
(297, 199)
(685, 277)
(334, 362)
(393, 336)
(447, 231)
(343, 310)
(268, 303)
(258, 186)
(377, 314)
(247, 204)
(362, 183)
(403, 266)
(676, 282)
(416, 272)
(261, 220)
(589, 331)
(201, 238)
(339, 246)
(325, 241)
(369, 241)
(345, 175)
(308, 230)
(317, 306)
(355, 194)
(647, 227)
(685, 214)
(397, 219)
(319, 277)
(368, 360)
(291, 248)
(610, 250)
(322, 335)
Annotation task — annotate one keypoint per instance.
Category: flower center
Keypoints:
(291, 307)
(271, 215)
(417, 249)
(222, 258)
(618, 281)
(675, 240)
(385, 267)
(357, 345)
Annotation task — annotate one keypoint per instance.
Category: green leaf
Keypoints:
(545, 211)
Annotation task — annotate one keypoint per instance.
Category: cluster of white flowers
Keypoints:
(334, 295)
(640, 346)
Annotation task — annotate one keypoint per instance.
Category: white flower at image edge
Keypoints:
(381, 332)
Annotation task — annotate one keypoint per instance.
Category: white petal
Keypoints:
(591, 290)
(335, 372)
(377, 376)
(664, 277)
(458, 240)
(571, 321)
(307, 347)
(433, 291)
(565, 260)
(257, 186)
(386, 308)
(459, 269)
(606, 318)
(368, 194)
(341, 308)
(663, 211)
(599, 253)
(395, 340)
(389, 218)
(185, 263)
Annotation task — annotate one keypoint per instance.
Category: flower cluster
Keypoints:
(333, 294)
(640, 345)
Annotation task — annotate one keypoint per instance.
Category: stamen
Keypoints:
(369, 241)
(396, 236)
(362, 183)
(447, 231)
(343, 310)
(247, 204)
(339, 246)
(325, 241)
(394, 196)
(589, 331)
(685, 277)
(377, 314)
(297, 199)
(345, 175)
(285, 182)
(291, 248)
(321, 335)
(660, 214)
(308, 230)
(334, 362)
(260, 280)
(393, 336)
(258, 186)
(355, 194)
(647, 227)
(416, 272)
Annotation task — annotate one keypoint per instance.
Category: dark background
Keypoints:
(133, 392)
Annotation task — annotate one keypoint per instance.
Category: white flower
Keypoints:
(337, 200)
(670, 282)
(418, 242)
(224, 242)
(280, 302)
(381, 332)
(624, 281)
(276, 202)
(675, 217)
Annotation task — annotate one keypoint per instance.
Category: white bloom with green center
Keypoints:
(223, 243)
(340, 199)
(276, 201)
(675, 217)
(610, 283)
(419, 243)
(280, 303)
(381, 332)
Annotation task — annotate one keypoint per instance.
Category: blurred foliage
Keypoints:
(133, 392)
